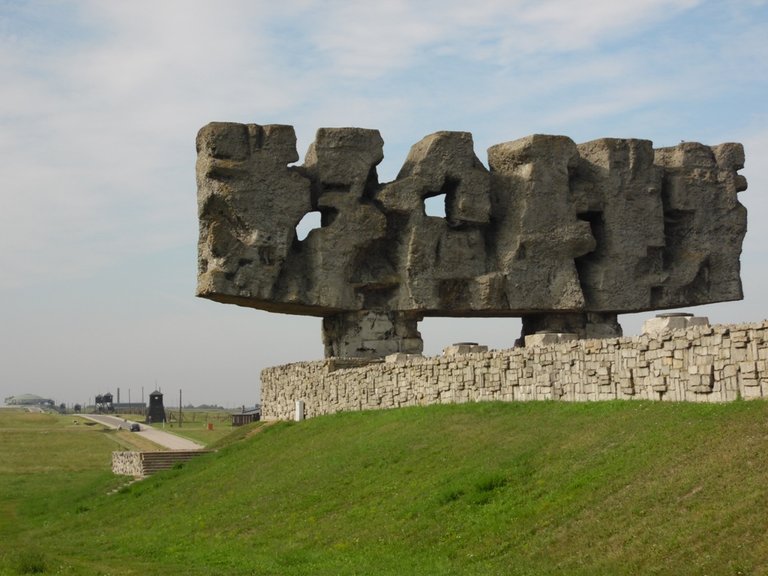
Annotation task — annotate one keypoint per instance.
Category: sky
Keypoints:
(100, 102)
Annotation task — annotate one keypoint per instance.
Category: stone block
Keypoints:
(747, 367)
(751, 393)
(663, 323)
(548, 339)
(463, 348)
(402, 358)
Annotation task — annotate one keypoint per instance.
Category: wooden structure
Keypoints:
(246, 416)
(156, 412)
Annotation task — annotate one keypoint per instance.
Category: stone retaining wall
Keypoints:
(700, 364)
(127, 464)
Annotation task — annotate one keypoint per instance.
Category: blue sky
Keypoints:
(101, 100)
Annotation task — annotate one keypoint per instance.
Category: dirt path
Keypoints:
(166, 439)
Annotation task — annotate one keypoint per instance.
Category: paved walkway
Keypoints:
(166, 439)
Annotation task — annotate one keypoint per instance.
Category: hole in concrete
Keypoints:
(441, 203)
(435, 206)
(310, 221)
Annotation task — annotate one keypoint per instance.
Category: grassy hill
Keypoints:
(536, 488)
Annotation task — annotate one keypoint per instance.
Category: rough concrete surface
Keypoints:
(565, 236)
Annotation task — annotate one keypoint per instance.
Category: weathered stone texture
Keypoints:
(618, 191)
(537, 234)
(698, 364)
(370, 334)
(249, 203)
(704, 223)
(127, 464)
(565, 236)
(666, 322)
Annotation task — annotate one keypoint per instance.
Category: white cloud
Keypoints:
(561, 25)
(369, 40)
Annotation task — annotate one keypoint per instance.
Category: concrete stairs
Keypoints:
(152, 462)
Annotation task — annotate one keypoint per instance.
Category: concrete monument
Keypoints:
(564, 236)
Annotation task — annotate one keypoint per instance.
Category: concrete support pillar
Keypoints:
(582, 324)
(369, 334)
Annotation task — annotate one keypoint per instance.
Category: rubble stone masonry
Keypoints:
(700, 364)
(127, 464)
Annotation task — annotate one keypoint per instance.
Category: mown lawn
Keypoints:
(50, 466)
(537, 488)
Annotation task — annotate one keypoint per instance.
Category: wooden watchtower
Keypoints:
(156, 412)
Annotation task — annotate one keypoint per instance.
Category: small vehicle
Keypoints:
(135, 427)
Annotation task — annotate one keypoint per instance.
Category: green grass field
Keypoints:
(537, 488)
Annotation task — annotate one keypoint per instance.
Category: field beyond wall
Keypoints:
(530, 488)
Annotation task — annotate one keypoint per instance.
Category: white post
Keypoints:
(299, 411)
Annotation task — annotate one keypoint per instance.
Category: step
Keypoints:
(156, 461)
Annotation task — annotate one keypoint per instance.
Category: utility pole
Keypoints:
(179, 407)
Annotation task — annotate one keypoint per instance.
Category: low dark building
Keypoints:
(129, 407)
(246, 416)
